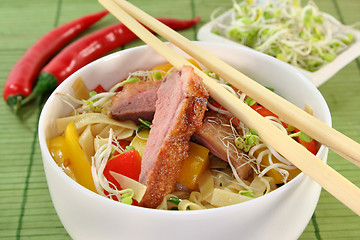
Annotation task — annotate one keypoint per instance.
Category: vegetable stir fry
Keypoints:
(299, 35)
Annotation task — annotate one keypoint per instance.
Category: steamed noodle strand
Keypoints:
(97, 168)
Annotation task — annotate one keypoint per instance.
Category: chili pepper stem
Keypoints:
(46, 83)
(14, 102)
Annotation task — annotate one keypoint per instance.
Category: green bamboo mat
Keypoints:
(26, 211)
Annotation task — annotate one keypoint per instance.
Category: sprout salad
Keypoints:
(299, 35)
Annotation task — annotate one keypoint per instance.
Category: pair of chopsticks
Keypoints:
(328, 178)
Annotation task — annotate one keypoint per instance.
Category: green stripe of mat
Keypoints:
(341, 18)
(33, 147)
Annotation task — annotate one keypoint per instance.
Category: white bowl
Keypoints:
(281, 214)
(318, 77)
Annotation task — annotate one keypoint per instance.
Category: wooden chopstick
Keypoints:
(290, 113)
(327, 177)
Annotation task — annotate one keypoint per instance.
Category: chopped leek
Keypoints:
(304, 137)
(144, 124)
(128, 148)
(176, 201)
(247, 193)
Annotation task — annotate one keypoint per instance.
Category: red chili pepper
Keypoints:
(90, 48)
(24, 73)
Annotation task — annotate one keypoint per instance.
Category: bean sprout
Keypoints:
(99, 161)
(302, 36)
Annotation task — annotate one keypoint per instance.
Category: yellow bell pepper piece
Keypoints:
(194, 63)
(164, 68)
(57, 148)
(139, 141)
(194, 165)
(79, 165)
(278, 178)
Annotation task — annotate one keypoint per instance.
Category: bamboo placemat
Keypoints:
(26, 210)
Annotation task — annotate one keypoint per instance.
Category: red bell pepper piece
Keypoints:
(99, 89)
(266, 112)
(262, 110)
(22, 77)
(123, 144)
(218, 105)
(310, 146)
(127, 164)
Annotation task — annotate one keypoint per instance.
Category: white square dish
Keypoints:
(318, 77)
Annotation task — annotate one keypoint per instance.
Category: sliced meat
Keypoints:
(134, 101)
(217, 135)
(137, 100)
(180, 108)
